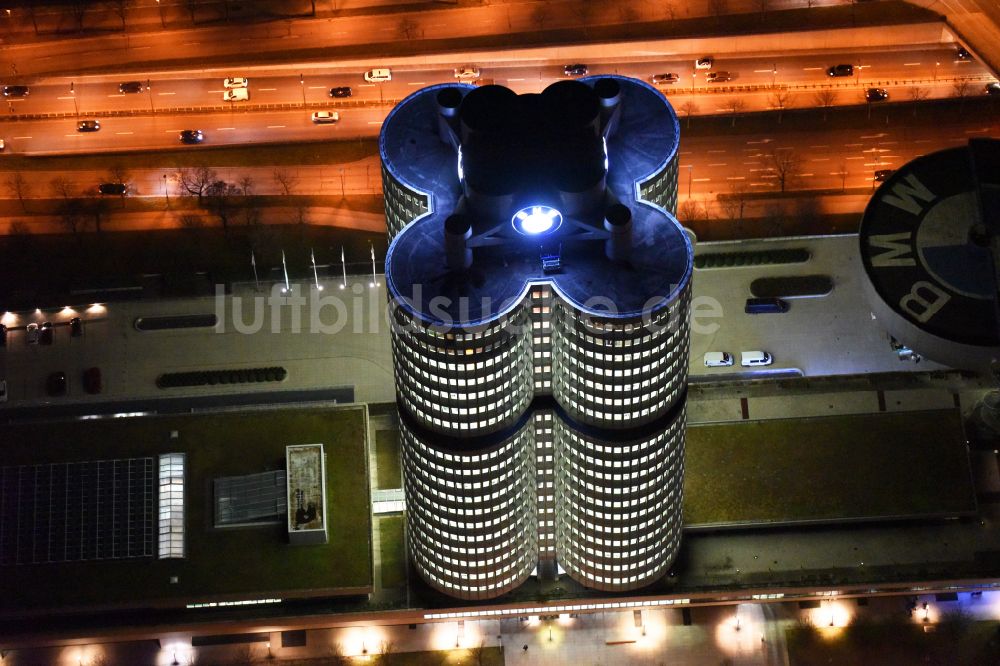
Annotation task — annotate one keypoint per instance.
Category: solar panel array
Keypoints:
(253, 498)
(63, 512)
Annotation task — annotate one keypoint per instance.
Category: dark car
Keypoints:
(112, 188)
(883, 174)
(55, 385)
(15, 91)
(963, 54)
(718, 77)
(992, 88)
(92, 382)
(765, 305)
(841, 70)
(131, 87)
(341, 91)
(48, 334)
(3, 335)
(575, 70)
(88, 126)
(876, 94)
(192, 136)
(75, 327)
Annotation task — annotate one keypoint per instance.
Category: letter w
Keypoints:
(896, 251)
(903, 195)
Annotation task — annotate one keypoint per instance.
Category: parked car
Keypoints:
(235, 82)
(668, 77)
(192, 136)
(131, 87)
(841, 70)
(75, 327)
(55, 385)
(765, 305)
(92, 381)
(15, 91)
(752, 358)
(992, 88)
(575, 70)
(883, 174)
(88, 126)
(341, 91)
(876, 94)
(378, 75)
(467, 73)
(704, 63)
(718, 359)
(718, 77)
(119, 189)
(47, 334)
(31, 333)
(236, 95)
(325, 117)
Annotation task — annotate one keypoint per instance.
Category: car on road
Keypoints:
(992, 88)
(575, 70)
(841, 70)
(75, 327)
(3, 144)
(119, 189)
(883, 174)
(236, 95)
(235, 82)
(876, 94)
(47, 334)
(963, 54)
(748, 359)
(467, 73)
(704, 63)
(55, 385)
(92, 381)
(718, 77)
(765, 305)
(668, 77)
(31, 333)
(15, 91)
(378, 75)
(341, 91)
(88, 126)
(718, 359)
(131, 87)
(192, 136)
(325, 117)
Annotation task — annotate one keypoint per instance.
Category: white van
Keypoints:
(236, 95)
(751, 358)
(718, 359)
(378, 75)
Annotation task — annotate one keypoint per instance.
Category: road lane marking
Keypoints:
(266, 89)
(417, 83)
(763, 71)
(124, 132)
(72, 135)
(190, 43)
(139, 48)
(717, 164)
(922, 141)
(374, 122)
(22, 137)
(910, 64)
(806, 174)
(736, 177)
(515, 79)
(812, 69)
(716, 151)
(118, 95)
(167, 93)
(310, 88)
(822, 146)
(853, 145)
(70, 97)
(854, 157)
(871, 136)
(222, 129)
(820, 159)
(366, 85)
(700, 180)
(275, 126)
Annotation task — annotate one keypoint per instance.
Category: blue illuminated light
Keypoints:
(535, 220)
(606, 162)
(461, 171)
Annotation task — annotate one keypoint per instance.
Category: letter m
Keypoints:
(896, 246)
(904, 194)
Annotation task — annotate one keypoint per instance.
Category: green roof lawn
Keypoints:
(244, 562)
(861, 466)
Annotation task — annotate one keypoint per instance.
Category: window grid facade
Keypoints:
(171, 506)
(402, 204)
(661, 187)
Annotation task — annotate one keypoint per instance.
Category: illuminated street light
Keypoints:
(312, 257)
(284, 268)
(374, 280)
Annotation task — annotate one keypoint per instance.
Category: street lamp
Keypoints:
(76, 106)
(166, 192)
(690, 172)
(302, 84)
(149, 89)
(160, 7)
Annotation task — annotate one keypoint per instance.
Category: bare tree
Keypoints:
(219, 198)
(62, 187)
(781, 100)
(244, 655)
(335, 655)
(627, 14)
(285, 179)
(825, 99)
(98, 208)
(192, 7)
(18, 184)
(386, 652)
(121, 8)
(785, 164)
(670, 10)
(117, 173)
(691, 211)
(917, 94)
(842, 173)
(79, 10)
(736, 106)
(734, 203)
(246, 185)
(18, 228)
(196, 180)
(70, 216)
(407, 29)
(31, 10)
(191, 221)
(689, 108)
